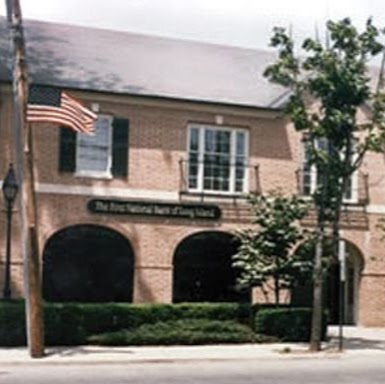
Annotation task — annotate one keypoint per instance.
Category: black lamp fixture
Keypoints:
(10, 188)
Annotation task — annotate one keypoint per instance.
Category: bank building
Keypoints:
(145, 210)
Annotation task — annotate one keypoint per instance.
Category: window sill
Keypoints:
(348, 203)
(94, 175)
(222, 195)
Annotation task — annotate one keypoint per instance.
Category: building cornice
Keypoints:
(234, 109)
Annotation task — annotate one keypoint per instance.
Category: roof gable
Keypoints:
(120, 62)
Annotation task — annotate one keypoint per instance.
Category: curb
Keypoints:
(56, 359)
(90, 355)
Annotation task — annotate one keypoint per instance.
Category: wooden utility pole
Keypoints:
(25, 171)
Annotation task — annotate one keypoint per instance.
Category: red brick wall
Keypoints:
(158, 139)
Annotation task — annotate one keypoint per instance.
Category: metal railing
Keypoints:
(358, 193)
(251, 180)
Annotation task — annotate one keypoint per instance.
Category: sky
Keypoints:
(244, 23)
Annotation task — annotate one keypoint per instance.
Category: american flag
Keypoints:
(51, 105)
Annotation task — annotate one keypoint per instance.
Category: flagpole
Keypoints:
(25, 170)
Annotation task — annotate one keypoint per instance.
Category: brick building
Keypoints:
(145, 210)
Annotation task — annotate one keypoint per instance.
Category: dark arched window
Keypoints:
(203, 269)
(88, 263)
(301, 295)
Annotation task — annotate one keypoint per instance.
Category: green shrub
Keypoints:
(179, 332)
(12, 324)
(64, 325)
(214, 311)
(136, 324)
(109, 317)
(287, 324)
(72, 323)
(263, 307)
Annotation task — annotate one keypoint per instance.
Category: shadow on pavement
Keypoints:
(85, 350)
(357, 343)
(357, 338)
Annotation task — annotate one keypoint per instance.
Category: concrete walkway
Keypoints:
(358, 341)
(358, 338)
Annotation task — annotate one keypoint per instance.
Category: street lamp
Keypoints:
(10, 188)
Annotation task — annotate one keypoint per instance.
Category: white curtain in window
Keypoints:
(93, 152)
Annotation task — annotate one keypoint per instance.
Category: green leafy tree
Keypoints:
(335, 78)
(266, 252)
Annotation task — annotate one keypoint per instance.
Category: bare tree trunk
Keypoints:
(316, 325)
(276, 290)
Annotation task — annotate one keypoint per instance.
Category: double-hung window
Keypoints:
(94, 152)
(103, 154)
(311, 178)
(217, 159)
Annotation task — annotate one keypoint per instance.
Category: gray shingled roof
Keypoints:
(120, 62)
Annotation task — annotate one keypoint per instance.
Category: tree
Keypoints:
(335, 78)
(266, 252)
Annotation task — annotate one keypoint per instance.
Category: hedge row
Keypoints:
(12, 323)
(181, 332)
(287, 324)
(73, 323)
(76, 323)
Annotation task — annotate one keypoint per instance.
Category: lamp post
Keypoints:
(10, 188)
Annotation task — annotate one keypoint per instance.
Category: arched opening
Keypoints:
(333, 297)
(88, 263)
(349, 297)
(203, 269)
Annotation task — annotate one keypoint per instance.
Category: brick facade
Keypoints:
(157, 143)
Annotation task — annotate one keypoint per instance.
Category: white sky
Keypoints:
(246, 23)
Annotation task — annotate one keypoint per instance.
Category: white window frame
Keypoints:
(313, 179)
(201, 142)
(107, 174)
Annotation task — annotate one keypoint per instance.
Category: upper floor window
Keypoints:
(311, 178)
(104, 154)
(217, 159)
(94, 152)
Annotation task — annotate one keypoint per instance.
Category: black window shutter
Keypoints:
(67, 150)
(120, 147)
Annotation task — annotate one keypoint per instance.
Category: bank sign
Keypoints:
(142, 208)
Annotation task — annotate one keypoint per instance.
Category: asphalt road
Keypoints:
(349, 370)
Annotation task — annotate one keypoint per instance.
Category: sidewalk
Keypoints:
(358, 341)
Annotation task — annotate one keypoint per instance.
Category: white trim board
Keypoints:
(63, 189)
